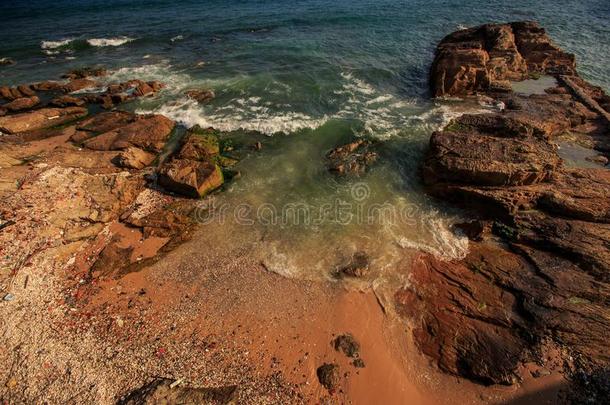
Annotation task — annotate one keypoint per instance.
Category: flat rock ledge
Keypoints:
(538, 269)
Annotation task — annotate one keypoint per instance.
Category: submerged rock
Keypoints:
(6, 61)
(353, 158)
(357, 266)
(201, 96)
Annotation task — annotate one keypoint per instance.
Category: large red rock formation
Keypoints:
(485, 57)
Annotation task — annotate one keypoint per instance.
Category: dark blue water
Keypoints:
(302, 53)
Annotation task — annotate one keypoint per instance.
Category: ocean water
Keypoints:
(307, 75)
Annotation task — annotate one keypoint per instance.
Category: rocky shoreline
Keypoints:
(98, 206)
(539, 260)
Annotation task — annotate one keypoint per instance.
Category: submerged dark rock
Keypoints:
(353, 158)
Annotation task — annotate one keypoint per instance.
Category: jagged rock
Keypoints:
(26, 90)
(201, 96)
(134, 158)
(544, 273)
(487, 56)
(46, 86)
(79, 84)
(20, 104)
(10, 93)
(67, 101)
(483, 316)
(353, 158)
(347, 345)
(43, 118)
(474, 230)
(190, 177)
(479, 151)
(148, 132)
(329, 376)
(199, 144)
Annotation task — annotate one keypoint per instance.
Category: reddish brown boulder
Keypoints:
(20, 104)
(26, 90)
(489, 151)
(10, 93)
(67, 101)
(148, 132)
(43, 118)
(79, 84)
(189, 177)
(46, 86)
(484, 57)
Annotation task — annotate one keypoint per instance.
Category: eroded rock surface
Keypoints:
(539, 258)
(486, 57)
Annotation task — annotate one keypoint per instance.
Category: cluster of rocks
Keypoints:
(26, 97)
(539, 260)
(118, 170)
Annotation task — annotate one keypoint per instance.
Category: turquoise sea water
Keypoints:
(312, 73)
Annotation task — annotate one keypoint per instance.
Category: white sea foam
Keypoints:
(444, 244)
(56, 44)
(117, 41)
(231, 118)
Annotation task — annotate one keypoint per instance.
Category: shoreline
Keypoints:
(113, 286)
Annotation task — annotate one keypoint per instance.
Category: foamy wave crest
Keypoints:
(118, 41)
(188, 112)
(56, 44)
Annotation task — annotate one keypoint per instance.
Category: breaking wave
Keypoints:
(70, 45)
(118, 41)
